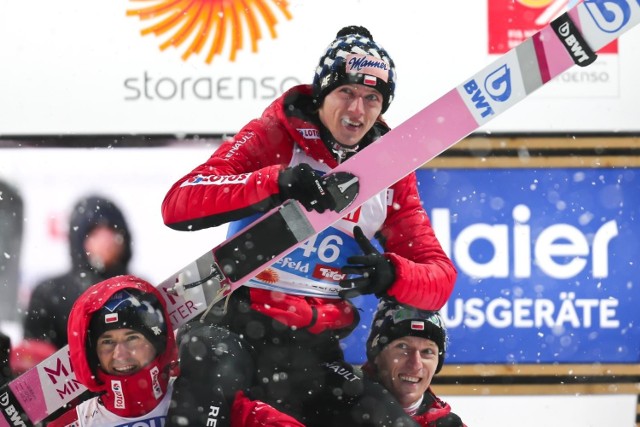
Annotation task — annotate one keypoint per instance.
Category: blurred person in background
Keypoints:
(100, 247)
(5, 350)
(11, 232)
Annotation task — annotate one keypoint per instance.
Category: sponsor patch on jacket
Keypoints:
(309, 133)
(216, 179)
(118, 395)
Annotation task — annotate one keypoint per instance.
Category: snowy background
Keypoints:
(79, 69)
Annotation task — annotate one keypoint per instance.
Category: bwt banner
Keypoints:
(547, 262)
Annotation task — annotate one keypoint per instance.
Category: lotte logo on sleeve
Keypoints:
(208, 27)
(512, 21)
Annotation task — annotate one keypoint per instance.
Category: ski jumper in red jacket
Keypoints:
(292, 314)
(142, 397)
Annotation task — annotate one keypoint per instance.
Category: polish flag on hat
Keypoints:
(417, 325)
(370, 80)
(111, 318)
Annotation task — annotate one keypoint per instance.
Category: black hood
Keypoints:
(87, 214)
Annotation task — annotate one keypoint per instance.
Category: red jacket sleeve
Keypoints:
(238, 180)
(425, 275)
(68, 419)
(250, 413)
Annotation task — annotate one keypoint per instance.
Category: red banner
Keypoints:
(512, 21)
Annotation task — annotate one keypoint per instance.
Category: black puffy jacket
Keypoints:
(52, 299)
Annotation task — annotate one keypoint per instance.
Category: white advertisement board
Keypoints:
(155, 67)
(51, 181)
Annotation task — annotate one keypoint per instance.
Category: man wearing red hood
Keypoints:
(123, 348)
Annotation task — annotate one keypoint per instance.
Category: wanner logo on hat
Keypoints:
(367, 64)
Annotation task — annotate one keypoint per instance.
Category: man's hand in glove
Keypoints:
(305, 185)
(377, 273)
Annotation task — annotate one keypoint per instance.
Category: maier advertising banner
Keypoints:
(547, 258)
(119, 67)
(547, 264)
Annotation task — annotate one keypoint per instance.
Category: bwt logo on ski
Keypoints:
(609, 15)
(10, 409)
(497, 86)
(572, 42)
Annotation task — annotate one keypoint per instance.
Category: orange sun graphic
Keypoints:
(209, 22)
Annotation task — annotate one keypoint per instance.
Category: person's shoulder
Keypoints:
(56, 284)
(433, 408)
(68, 419)
(47, 285)
(297, 103)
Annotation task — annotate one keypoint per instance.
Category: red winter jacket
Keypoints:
(241, 178)
(246, 412)
(134, 395)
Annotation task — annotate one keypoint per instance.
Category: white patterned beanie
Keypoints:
(354, 57)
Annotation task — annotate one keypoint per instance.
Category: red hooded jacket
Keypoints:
(138, 401)
(137, 394)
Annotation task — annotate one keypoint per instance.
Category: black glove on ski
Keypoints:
(305, 185)
(378, 273)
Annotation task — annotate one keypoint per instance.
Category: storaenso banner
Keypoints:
(547, 264)
(179, 69)
(149, 87)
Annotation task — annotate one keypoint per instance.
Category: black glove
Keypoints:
(307, 186)
(449, 420)
(378, 273)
